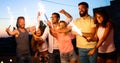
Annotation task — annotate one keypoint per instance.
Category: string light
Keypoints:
(1, 62)
(10, 60)
(58, 3)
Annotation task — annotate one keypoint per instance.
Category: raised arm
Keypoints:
(36, 38)
(12, 33)
(36, 26)
(69, 17)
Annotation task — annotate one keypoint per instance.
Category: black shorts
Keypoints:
(111, 55)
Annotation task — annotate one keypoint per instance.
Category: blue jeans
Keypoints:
(84, 58)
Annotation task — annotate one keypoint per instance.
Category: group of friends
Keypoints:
(95, 45)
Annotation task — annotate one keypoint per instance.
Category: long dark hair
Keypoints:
(42, 27)
(105, 16)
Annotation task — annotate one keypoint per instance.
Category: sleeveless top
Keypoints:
(22, 43)
(108, 45)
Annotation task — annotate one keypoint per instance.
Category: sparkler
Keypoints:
(41, 11)
(76, 29)
(46, 17)
(9, 26)
(38, 21)
(48, 20)
(41, 15)
(26, 18)
(11, 17)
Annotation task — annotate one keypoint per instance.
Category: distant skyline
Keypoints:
(11, 9)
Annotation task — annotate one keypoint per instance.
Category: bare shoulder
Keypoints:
(28, 29)
(109, 24)
(16, 32)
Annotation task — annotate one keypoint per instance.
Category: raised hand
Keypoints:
(62, 11)
(38, 14)
(7, 29)
(49, 24)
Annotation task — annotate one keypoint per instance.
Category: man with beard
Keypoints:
(22, 40)
(54, 54)
(88, 28)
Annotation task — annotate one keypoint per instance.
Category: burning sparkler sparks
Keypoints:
(11, 17)
(76, 29)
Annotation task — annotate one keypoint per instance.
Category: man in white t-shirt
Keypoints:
(52, 42)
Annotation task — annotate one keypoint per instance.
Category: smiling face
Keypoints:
(38, 32)
(83, 10)
(62, 24)
(99, 18)
(21, 23)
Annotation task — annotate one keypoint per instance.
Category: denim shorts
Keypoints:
(67, 57)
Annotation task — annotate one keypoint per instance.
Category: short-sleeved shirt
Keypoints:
(85, 25)
(52, 42)
(65, 42)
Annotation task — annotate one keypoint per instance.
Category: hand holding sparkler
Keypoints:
(49, 24)
(38, 20)
(38, 14)
(76, 29)
(7, 29)
(80, 33)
